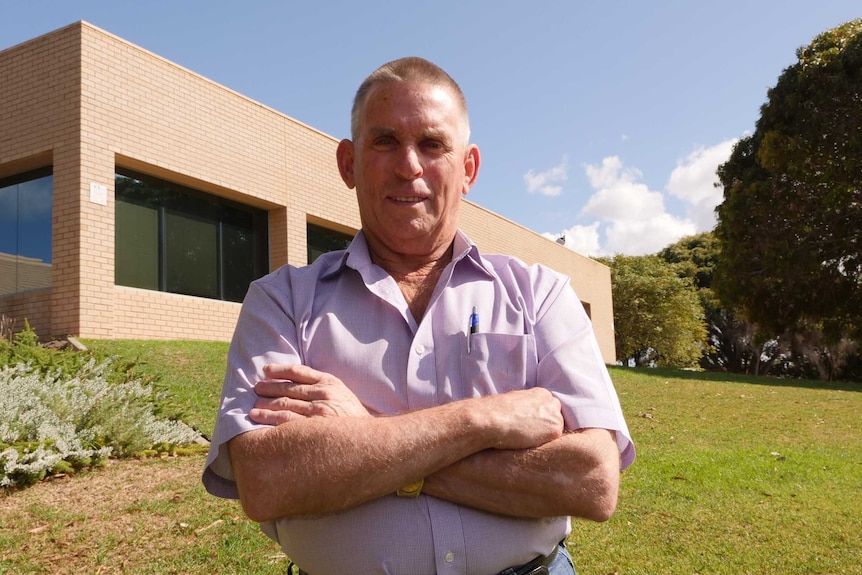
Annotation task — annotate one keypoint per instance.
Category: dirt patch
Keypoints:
(110, 520)
(119, 483)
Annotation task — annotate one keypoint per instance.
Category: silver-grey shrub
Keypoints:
(51, 421)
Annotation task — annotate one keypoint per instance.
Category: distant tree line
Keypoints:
(776, 288)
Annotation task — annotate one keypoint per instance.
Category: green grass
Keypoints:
(734, 475)
(190, 371)
(752, 475)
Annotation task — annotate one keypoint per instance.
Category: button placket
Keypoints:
(421, 374)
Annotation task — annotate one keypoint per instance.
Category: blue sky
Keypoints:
(601, 120)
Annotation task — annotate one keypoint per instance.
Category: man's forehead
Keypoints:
(410, 88)
(427, 106)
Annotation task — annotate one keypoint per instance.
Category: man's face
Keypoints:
(410, 165)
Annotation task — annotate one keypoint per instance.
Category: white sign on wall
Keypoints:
(99, 194)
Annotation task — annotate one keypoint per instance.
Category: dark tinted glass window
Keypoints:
(175, 239)
(321, 240)
(239, 252)
(25, 231)
(136, 245)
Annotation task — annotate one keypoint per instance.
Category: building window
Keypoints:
(25, 231)
(321, 240)
(175, 239)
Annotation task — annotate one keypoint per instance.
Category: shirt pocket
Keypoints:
(497, 363)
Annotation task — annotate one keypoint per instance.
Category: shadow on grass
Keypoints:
(676, 373)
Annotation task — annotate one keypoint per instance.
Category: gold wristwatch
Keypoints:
(411, 490)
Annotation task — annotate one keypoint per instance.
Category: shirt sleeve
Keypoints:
(265, 333)
(571, 366)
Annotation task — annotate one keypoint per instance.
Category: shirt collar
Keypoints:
(464, 250)
(357, 257)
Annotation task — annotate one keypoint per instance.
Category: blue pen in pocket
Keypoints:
(474, 327)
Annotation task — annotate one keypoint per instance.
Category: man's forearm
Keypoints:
(577, 474)
(324, 464)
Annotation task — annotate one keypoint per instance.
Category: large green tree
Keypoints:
(790, 226)
(658, 319)
(731, 342)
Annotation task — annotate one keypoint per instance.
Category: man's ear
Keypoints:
(471, 167)
(344, 157)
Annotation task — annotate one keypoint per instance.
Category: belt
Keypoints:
(538, 566)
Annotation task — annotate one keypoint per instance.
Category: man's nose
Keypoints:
(409, 163)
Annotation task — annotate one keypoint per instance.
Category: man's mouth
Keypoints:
(409, 199)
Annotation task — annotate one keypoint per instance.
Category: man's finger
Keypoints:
(269, 417)
(293, 390)
(292, 371)
(283, 404)
(272, 388)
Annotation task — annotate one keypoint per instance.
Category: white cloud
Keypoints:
(620, 197)
(582, 239)
(542, 182)
(632, 216)
(693, 181)
(628, 218)
(638, 237)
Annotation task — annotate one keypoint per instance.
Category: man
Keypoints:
(408, 405)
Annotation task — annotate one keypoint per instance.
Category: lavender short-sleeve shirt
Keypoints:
(346, 316)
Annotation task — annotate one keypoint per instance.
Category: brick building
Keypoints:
(130, 186)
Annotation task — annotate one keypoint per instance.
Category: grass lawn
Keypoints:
(753, 476)
(734, 475)
(190, 371)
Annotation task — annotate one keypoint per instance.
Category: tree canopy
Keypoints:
(790, 226)
(730, 340)
(658, 319)
(694, 257)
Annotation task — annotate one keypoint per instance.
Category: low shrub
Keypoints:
(61, 412)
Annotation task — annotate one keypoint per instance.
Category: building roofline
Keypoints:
(85, 25)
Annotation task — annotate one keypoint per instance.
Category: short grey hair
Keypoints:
(406, 69)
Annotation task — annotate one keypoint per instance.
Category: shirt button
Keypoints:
(449, 557)
(419, 349)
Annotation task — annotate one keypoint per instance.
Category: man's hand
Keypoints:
(519, 419)
(522, 419)
(296, 391)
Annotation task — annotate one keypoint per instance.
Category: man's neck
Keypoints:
(416, 275)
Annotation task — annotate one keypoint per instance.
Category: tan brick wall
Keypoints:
(147, 314)
(85, 100)
(151, 115)
(39, 123)
(33, 306)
